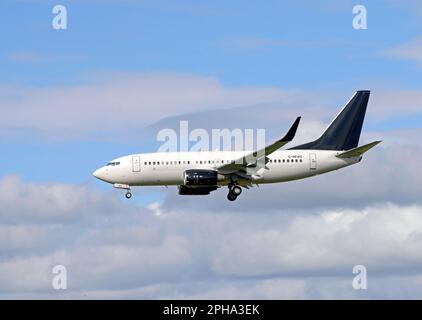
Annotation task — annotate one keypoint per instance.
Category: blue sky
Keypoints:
(317, 45)
(71, 100)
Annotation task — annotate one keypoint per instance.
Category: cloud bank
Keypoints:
(111, 105)
(292, 240)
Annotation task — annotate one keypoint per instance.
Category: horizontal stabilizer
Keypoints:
(356, 152)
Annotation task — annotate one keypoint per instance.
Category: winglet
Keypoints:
(292, 131)
(356, 152)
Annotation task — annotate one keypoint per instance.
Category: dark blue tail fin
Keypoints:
(344, 132)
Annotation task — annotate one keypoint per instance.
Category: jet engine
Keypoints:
(200, 178)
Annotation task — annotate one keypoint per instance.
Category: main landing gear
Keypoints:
(128, 195)
(234, 192)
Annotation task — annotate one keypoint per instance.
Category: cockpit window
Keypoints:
(113, 163)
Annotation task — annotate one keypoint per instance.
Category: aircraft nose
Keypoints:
(97, 173)
(101, 174)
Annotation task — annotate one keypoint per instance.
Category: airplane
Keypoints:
(200, 173)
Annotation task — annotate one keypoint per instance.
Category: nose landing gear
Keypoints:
(126, 187)
(234, 192)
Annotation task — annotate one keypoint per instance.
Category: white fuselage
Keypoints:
(167, 168)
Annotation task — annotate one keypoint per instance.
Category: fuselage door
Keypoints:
(136, 163)
(312, 161)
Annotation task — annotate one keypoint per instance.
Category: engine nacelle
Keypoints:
(200, 178)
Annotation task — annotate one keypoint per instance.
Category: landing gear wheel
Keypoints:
(128, 195)
(236, 190)
(231, 196)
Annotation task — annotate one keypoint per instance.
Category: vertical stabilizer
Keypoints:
(344, 132)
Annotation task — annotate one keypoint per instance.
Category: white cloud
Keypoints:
(119, 102)
(395, 102)
(31, 202)
(22, 238)
(272, 252)
(328, 242)
(411, 50)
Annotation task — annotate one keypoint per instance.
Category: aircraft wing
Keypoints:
(250, 161)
